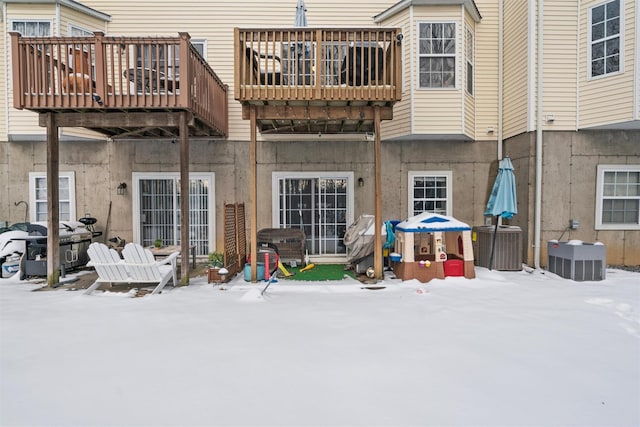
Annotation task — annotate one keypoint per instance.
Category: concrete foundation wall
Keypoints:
(570, 161)
(100, 166)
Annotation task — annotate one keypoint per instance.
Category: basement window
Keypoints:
(618, 197)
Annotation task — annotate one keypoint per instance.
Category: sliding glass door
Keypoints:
(321, 204)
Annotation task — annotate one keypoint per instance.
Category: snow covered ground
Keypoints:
(507, 348)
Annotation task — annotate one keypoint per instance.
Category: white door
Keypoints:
(157, 210)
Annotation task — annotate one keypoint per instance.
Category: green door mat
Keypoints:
(319, 272)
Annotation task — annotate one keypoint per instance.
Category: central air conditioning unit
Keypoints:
(576, 260)
(507, 255)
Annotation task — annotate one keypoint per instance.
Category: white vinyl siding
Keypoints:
(401, 123)
(560, 63)
(168, 18)
(485, 72)
(38, 196)
(618, 197)
(607, 99)
(516, 73)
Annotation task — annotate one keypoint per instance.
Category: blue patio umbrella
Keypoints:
(502, 201)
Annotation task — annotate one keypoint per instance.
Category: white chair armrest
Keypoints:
(169, 259)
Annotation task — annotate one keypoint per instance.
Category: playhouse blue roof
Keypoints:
(430, 222)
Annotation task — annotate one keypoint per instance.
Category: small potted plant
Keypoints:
(157, 243)
(216, 259)
(216, 262)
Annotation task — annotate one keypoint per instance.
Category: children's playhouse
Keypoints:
(433, 246)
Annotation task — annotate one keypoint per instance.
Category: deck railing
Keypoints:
(115, 73)
(304, 64)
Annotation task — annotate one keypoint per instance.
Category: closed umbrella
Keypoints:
(502, 202)
(301, 14)
(301, 54)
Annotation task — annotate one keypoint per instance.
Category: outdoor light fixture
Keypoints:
(122, 188)
(360, 182)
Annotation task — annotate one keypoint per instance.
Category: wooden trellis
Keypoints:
(235, 237)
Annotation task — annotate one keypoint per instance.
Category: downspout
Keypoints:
(538, 188)
(58, 23)
(8, 59)
(412, 82)
(500, 76)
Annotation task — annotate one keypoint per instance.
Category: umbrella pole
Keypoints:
(493, 245)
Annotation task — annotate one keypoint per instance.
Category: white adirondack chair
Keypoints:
(138, 266)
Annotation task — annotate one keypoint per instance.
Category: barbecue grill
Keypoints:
(75, 238)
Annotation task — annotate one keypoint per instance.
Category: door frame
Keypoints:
(275, 199)
(211, 207)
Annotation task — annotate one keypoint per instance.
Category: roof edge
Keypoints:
(71, 4)
(469, 5)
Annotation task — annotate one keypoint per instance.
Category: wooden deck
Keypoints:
(323, 80)
(120, 86)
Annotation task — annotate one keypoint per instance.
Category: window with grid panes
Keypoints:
(437, 55)
(604, 36)
(38, 196)
(618, 197)
(430, 192)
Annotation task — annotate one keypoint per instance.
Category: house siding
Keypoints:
(608, 99)
(23, 123)
(469, 116)
(214, 21)
(516, 74)
(5, 71)
(560, 63)
(439, 111)
(401, 124)
(486, 70)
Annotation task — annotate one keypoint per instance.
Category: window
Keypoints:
(32, 28)
(200, 46)
(38, 196)
(437, 55)
(430, 192)
(469, 54)
(75, 31)
(605, 41)
(618, 197)
(156, 207)
(159, 57)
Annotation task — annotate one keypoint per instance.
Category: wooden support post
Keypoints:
(101, 68)
(253, 195)
(377, 253)
(184, 199)
(53, 202)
